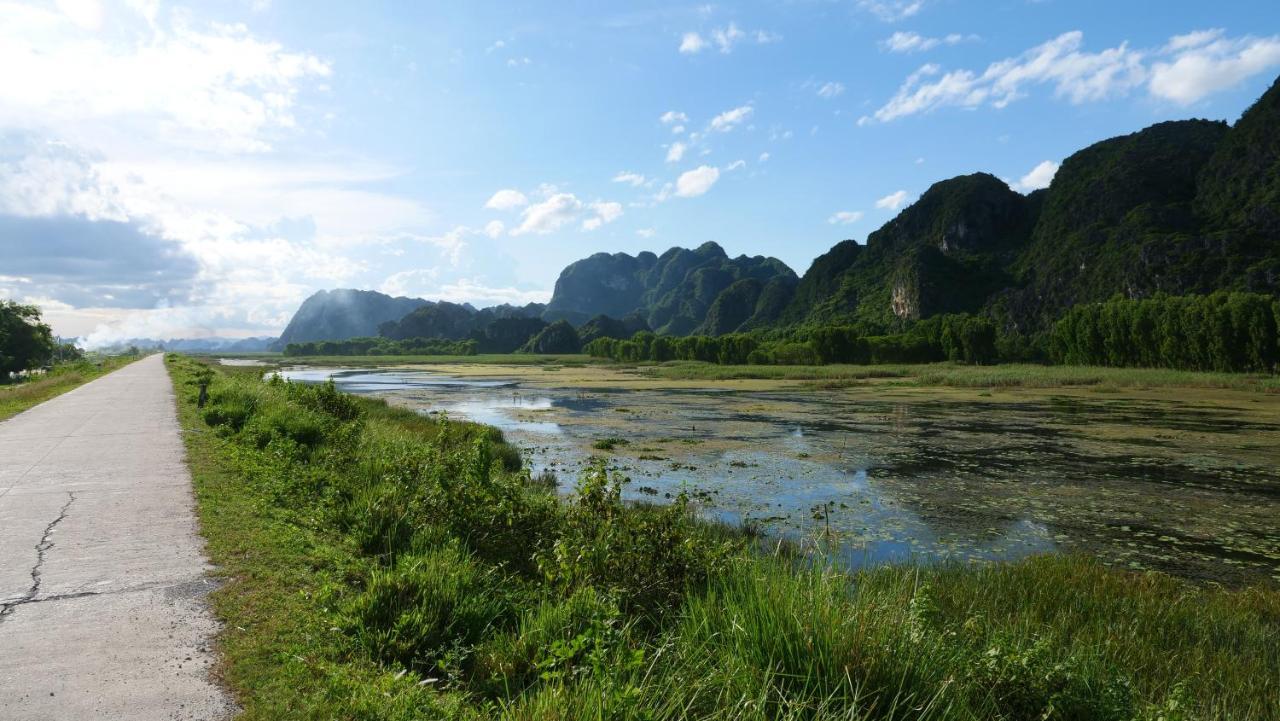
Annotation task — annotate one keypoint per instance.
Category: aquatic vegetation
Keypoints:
(398, 567)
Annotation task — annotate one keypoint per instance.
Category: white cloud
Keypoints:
(1078, 76)
(517, 62)
(182, 85)
(507, 199)
(912, 42)
(635, 180)
(1187, 69)
(605, 212)
(730, 119)
(830, 90)
(675, 152)
(892, 10)
(550, 215)
(677, 129)
(764, 157)
(646, 232)
(691, 43)
(470, 290)
(1206, 62)
(497, 45)
(673, 117)
(560, 209)
(893, 201)
(726, 38)
(845, 217)
(736, 165)
(695, 182)
(1039, 177)
(85, 13)
(494, 228)
(426, 284)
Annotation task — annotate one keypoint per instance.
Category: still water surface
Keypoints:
(1188, 488)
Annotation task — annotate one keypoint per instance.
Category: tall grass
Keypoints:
(18, 397)
(383, 565)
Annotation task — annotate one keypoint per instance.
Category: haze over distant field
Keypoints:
(178, 171)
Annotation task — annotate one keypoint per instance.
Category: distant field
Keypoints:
(928, 374)
(17, 398)
(966, 376)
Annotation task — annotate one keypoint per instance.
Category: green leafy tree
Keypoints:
(25, 341)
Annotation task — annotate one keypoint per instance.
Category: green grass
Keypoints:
(379, 564)
(970, 376)
(18, 397)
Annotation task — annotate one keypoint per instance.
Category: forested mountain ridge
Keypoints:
(343, 313)
(1181, 207)
(673, 292)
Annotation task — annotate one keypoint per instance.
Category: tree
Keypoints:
(25, 341)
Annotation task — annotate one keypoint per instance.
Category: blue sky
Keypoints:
(256, 151)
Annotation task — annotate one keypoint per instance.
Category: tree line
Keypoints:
(1227, 332)
(378, 346)
(959, 337)
(1231, 332)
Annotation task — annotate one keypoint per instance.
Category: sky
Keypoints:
(171, 170)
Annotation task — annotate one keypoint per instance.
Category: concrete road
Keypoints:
(102, 573)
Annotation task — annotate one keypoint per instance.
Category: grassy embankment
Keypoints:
(383, 565)
(18, 397)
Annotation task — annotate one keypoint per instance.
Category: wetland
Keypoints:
(1179, 480)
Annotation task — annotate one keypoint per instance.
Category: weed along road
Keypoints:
(102, 576)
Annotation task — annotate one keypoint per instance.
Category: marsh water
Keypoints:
(1188, 486)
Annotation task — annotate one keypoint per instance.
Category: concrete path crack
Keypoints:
(46, 542)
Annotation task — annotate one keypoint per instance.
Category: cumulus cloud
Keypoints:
(675, 152)
(1039, 177)
(559, 209)
(912, 42)
(550, 215)
(507, 199)
(845, 217)
(1187, 69)
(692, 43)
(97, 263)
(673, 117)
(426, 284)
(605, 212)
(1206, 62)
(184, 84)
(635, 180)
(893, 201)
(696, 182)
(730, 119)
(892, 10)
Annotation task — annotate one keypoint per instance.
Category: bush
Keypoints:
(427, 609)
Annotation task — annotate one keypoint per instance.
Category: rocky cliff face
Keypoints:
(673, 293)
(344, 313)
